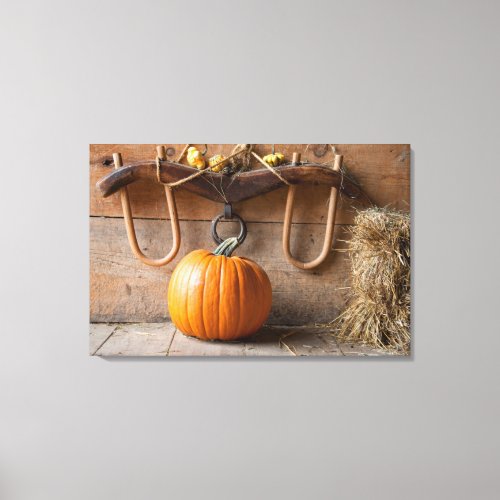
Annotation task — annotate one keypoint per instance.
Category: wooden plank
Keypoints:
(383, 170)
(190, 346)
(161, 339)
(123, 289)
(309, 341)
(149, 339)
(99, 333)
(266, 342)
(360, 350)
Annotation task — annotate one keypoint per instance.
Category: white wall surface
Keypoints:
(74, 73)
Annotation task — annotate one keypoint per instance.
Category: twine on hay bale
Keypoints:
(378, 310)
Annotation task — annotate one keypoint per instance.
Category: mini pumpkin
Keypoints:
(274, 159)
(214, 296)
(195, 158)
(217, 163)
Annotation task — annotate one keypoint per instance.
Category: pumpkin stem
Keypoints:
(227, 247)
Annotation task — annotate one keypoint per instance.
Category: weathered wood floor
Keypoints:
(163, 339)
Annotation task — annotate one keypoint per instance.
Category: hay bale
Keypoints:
(378, 310)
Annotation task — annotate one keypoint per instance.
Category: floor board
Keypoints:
(163, 339)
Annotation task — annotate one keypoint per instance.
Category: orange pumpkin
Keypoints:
(214, 296)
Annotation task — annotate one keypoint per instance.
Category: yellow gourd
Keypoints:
(217, 163)
(195, 158)
(274, 159)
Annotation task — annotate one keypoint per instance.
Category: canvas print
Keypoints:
(250, 250)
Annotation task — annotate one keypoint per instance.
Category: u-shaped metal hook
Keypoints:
(129, 220)
(330, 225)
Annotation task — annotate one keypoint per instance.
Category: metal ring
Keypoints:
(243, 230)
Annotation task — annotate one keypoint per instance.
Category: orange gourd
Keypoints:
(214, 296)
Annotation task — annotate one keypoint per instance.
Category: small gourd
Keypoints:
(195, 158)
(274, 159)
(217, 163)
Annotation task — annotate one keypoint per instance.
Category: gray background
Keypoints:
(74, 73)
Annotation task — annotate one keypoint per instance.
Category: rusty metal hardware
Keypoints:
(228, 215)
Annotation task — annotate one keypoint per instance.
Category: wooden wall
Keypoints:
(124, 290)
